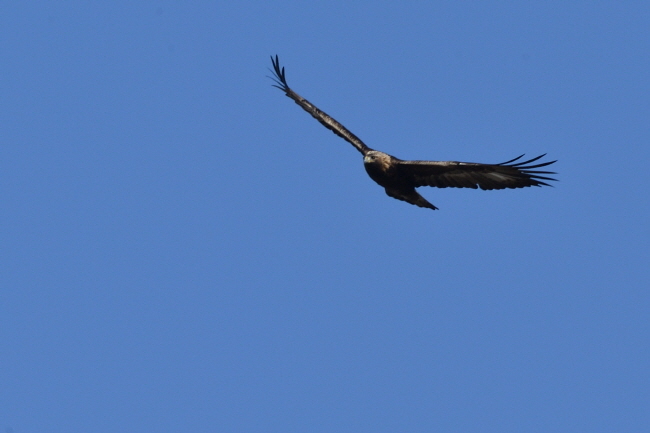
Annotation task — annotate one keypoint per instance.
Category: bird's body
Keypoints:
(386, 171)
(400, 178)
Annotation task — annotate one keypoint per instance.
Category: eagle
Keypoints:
(400, 178)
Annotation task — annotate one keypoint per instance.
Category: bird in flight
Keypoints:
(400, 178)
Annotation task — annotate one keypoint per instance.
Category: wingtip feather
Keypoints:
(278, 74)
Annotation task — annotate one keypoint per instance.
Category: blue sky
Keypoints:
(184, 249)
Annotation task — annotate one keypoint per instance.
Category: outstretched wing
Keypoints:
(327, 121)
(453, 174)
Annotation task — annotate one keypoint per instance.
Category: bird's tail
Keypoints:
(409, 196)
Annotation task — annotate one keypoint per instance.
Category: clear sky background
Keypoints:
(183, 249)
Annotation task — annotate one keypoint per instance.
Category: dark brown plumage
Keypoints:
(400, 178)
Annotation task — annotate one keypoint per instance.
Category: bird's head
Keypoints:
(376, 157)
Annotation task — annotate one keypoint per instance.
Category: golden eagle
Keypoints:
(400, 178)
